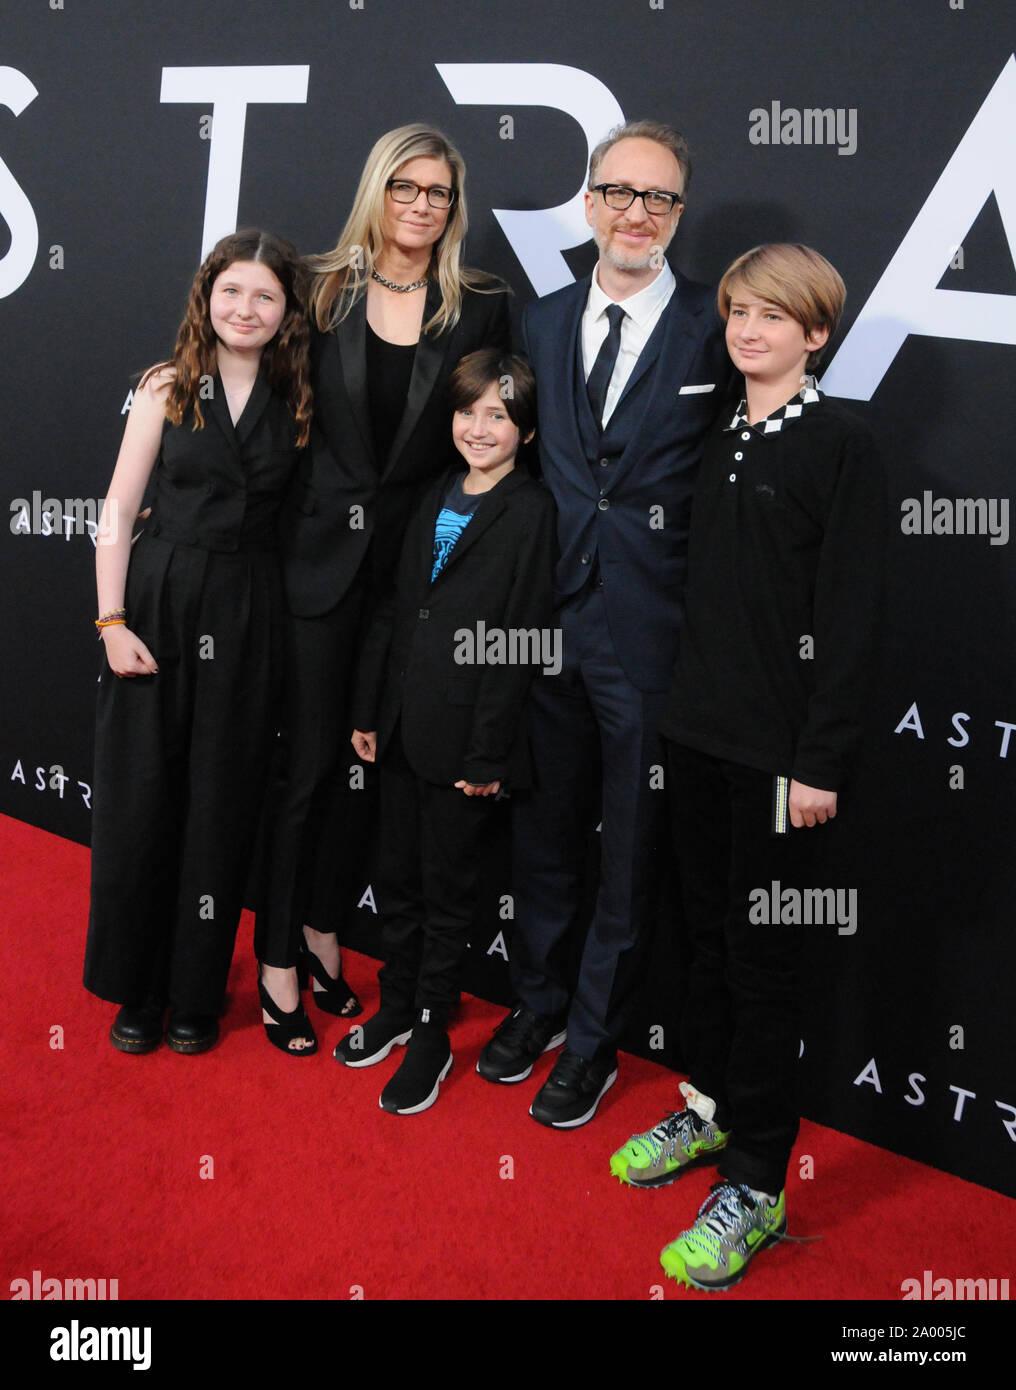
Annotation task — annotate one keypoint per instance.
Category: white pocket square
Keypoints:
(697, 390)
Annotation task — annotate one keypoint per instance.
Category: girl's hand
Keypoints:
(476, 789)
(127, 654)
(365, 745)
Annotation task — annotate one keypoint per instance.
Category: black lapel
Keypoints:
(351, 341)
(589, 426)
(433, 500)
(566, 347)
(260, 395)
(674, 342)
(491, 507)
(675, 329)
(430, 353)
(218, 408)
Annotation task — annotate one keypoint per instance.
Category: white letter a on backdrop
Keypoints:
(906, 300)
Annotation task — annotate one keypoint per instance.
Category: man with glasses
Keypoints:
(631, 371)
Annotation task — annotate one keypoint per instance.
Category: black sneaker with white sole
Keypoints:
(573, 1090)
(518, 1041)
(372, 1041)
(428, 1060)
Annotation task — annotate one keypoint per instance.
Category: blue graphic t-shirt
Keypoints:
(453, 518)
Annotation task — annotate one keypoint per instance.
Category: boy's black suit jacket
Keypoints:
(461, 720)
(344, 500)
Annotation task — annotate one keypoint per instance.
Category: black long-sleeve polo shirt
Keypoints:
(785, 574)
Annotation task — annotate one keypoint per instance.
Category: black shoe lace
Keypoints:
(569, 1069)
(516, 1028)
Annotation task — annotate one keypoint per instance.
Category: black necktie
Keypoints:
(603, 367)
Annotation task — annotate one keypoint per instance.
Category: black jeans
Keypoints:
(739, 1030)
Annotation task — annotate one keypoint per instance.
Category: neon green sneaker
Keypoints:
(732, 1227)
(656, 1158)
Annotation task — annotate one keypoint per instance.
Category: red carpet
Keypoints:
(313, 1192)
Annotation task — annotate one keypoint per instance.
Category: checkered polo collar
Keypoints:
(772, 424)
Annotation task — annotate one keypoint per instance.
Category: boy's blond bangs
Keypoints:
(795, 278)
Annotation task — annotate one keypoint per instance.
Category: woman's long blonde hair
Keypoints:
(340, 276)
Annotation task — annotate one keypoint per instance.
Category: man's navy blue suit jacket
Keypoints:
(629, 515)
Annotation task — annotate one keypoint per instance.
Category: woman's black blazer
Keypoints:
(344, 500)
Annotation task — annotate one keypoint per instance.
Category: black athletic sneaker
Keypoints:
(428, 1060)
(372, 1041)
(573, 1090)
(518, 1041)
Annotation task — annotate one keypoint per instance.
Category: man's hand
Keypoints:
(810, 805)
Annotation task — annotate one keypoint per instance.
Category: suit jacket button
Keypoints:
(424, 612)
(604, 462)
(603, 504)
(585, 559)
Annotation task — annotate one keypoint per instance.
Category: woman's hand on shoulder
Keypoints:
(148, 404)
(126, 653)
(156, 382)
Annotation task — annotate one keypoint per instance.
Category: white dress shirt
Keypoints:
(642, 313)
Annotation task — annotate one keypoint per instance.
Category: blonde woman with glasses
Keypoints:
(393, 310)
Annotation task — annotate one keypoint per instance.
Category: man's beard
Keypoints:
(623, 259)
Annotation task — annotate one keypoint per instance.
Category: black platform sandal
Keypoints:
(287, 1027)
(335, 996)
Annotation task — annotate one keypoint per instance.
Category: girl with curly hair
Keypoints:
(191, 617)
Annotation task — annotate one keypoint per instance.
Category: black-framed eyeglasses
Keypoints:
(405, 191)
(654, 200)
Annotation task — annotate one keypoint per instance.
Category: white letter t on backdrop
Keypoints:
(230, 90)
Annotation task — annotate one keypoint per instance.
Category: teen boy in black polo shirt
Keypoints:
(784, 582)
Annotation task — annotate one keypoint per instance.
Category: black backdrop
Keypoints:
(908, 185)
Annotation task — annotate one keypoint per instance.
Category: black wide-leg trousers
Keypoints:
(310, 802)
(182, 759)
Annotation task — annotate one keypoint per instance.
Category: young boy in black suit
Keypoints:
(441, 692)
(762, 724)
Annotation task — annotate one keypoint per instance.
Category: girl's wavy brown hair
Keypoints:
(285, 360)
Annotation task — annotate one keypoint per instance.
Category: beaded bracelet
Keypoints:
(114, 617)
